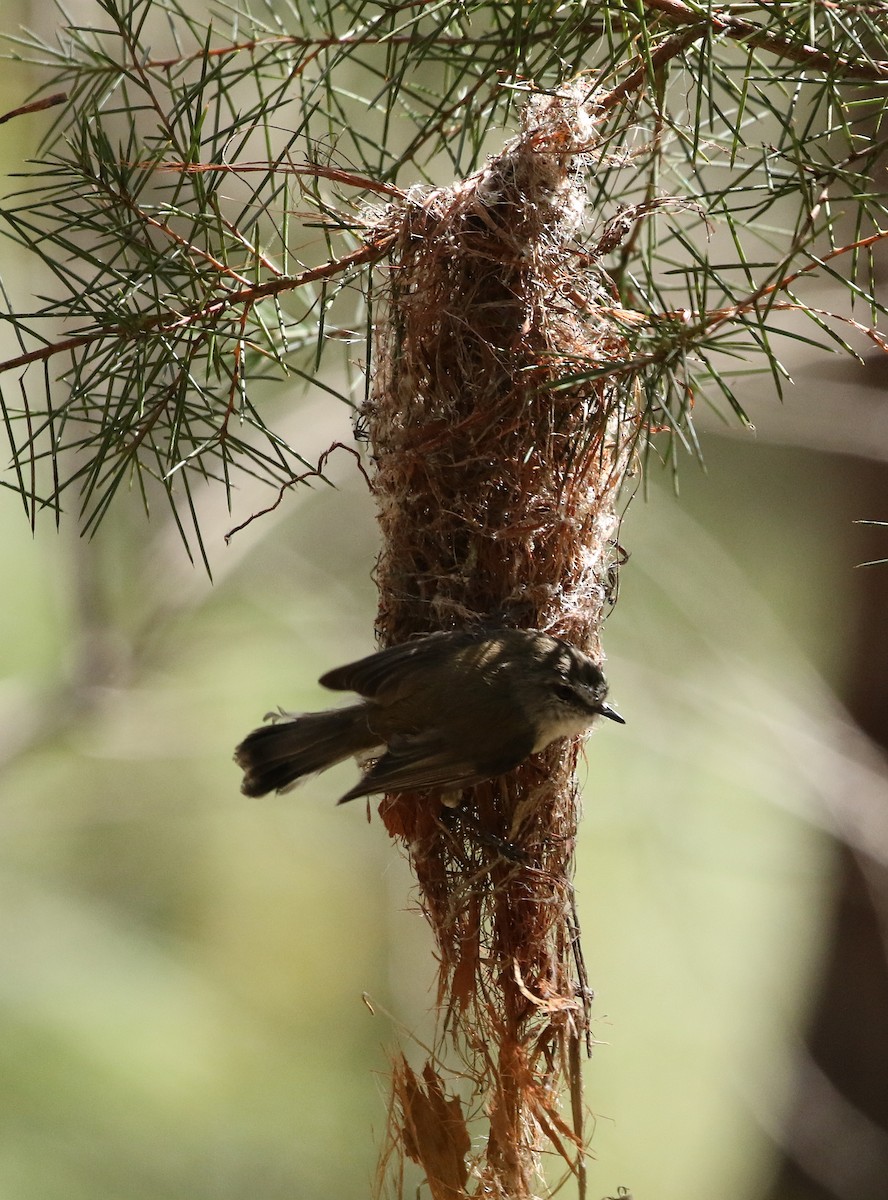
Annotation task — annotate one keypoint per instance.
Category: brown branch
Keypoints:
(738, 29)
(655, 61)
(315, 45)
(719, 316)
(334, 173)
(162, 227)
(35, 106)
(166, 322)
(710, 321)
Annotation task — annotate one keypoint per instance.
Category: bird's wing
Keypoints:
(426, 760)
(370, 676)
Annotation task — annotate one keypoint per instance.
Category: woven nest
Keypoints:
(496, 482)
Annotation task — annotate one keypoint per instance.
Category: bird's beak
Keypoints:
(612, 714)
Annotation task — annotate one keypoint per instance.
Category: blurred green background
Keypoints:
(182, 969)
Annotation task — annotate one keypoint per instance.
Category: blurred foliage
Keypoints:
(183, 969)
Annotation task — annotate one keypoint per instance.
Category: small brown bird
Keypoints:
(442, 712)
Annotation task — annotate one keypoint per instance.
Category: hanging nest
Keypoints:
(496, 482)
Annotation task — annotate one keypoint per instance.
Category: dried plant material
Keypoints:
(434, 1130)
(496, 481)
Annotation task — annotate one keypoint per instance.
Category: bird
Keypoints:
(438, 713)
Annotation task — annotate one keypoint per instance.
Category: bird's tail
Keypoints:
(276, 756)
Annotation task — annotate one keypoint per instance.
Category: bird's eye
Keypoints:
(565, 692)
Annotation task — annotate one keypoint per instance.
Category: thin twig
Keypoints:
(316, 473)
(166, 323)
(738, 29)
(653, 62)
(719, 316)
(35, 106)
(336, 174)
